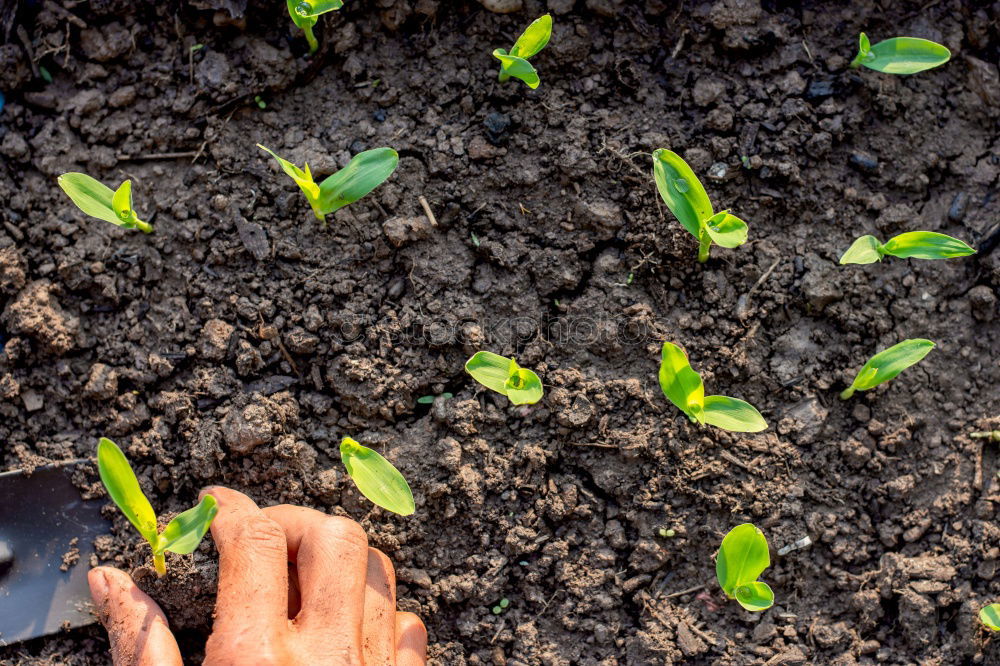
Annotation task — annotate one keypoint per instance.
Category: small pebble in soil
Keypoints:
(956, 212)
(496, 125)
(819, 89)
(864, 162)
(718, 171)
(6, 557)
(379, 115)
(358, 146)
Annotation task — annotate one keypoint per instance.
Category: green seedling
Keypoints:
(515, 63)
(742, 558)
(991, 435)
(666, 533)
(990, 616)
(305, 14)
(683, 387)
(365, 172)
(429, 399)
(376, 478)
(181, 535)
(915, 244)
(888, 363)
(900, 55)
(506, 377)
(98, 200)
(687, 199)
(501, 607)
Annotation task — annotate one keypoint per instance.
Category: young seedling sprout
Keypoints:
(687, 199)
(305, 14)
(742, 557)
(506, 377)
(376, 478)
(181, 535)
(683, 387)
(365, 172)
(915, 244)
(98, 200)
(888, 363)
(990, 616)
(900, 55)
(527, 45)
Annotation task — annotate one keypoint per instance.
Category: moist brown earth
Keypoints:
(238, 343)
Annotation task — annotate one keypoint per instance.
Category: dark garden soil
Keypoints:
(238, 343)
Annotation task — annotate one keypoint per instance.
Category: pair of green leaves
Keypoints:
(743, 557)
(915, 244)
(365, 172)
(687, 199)
(98, 200)
(990, 616)
(181, 535)
(376, 478)
(506, 377)
(683, 387)
(900, 55)
(515, 63)
(306, 13)
(888, 363)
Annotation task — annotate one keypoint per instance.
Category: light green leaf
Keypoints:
(905, 55)
(366, 171)
(91, 196)
(864, 250)
(680, 383)
(534, 38)
(121, 484)
(183, 534)
(523, 387)
(743, 556)
(121, 202)
(681, 190)
(303, 178)
(726, 230)
(732, 414)
(489, 369)
(926, 245)
(376, 478)
(519, 68)
(990, 616)
(755, 596)
(312, 8)
(888, 363)
(864, 44)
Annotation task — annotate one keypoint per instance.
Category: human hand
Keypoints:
(296, 586)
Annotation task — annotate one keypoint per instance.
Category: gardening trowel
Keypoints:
(46, 543)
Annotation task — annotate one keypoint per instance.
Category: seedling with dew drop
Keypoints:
(181, 535)
(365, 172)
(683, 387)
(900, 55)
(888, 363)
(515, 63)
(687, 199)
(98, 200)
(305, 14)
(376, 478)
(742, 558)
(915, 244)
(990, 617)
(506, 377)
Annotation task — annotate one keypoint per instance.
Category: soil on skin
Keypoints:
(238, 343)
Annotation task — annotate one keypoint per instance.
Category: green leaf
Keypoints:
(864, 44)
(534, 38)
(726, 230)
(990, 616)
(864, 250)
(732, 414)
(312, 8)
(680, 383)
(926, 245)
(523, 387)
(91, 196)
(366, 171)
(888, 363)
(681, 190)
(905, 55)
(489, 369)
(121, 202)
(300, 21)
(755, 596)
(519, 68)
(121, 484)
(743, 556)
(376, 478)
(183, 534)
(302, 178)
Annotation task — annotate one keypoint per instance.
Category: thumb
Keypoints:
(138, 629)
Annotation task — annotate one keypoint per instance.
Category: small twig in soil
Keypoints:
(427, 210)
(156, 156)
(687, 591)
(680, 45)
(55, 8)
(729, 457)
(22, 34)
(546, 606)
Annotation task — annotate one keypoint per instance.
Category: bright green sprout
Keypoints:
(305, 14)
(915, 244)
(365, 172)
(888, 363)
(527, 45)
(666, 534)
(900, 55)
(742, 557)
(261, 104)
(181, 535)
(45, 74)
(98, 200)
(990, 616)
(683, 387)
(501, 607)
(686, 198)
(992, 435)
(429, 399)
(376, 478)
(506, 377)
